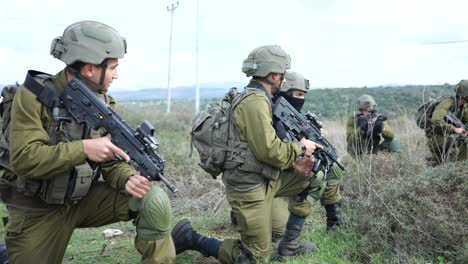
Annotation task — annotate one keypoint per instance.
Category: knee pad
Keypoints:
(155, 214)
(317, 186)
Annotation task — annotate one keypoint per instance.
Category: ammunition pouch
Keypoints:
(60, 189)
(68, 188)
(251, 164)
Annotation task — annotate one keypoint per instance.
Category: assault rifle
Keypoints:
(368, 122)
(140, 145)
(453, 119)
(298, 127)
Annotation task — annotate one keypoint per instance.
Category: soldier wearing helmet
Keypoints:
(252, 185)
(445, 138)
(368, 132)
(294, 91)
(55, 163)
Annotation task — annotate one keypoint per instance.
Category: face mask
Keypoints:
(295, 102)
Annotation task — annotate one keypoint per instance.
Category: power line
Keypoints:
(33, 21)
(446, 42)
(170, 9)
(197, 83)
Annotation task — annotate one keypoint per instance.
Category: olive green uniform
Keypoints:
(327, 192)
(38, 232)
(249, 193)
(440, 137)
(359, 143)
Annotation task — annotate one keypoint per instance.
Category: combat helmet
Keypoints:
(296, 81)
(365, 101)
(89, 42)
(461, 89)
(264, 60)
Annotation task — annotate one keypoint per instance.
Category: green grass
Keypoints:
(377, 190)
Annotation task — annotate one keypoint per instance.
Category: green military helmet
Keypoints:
(365, 101)
(461, 88)
(88, 42)
(264, 60)
(295, 81)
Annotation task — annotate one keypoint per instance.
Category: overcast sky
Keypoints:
(334, 43)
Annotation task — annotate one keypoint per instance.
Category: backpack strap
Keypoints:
(257, 85)
(46, 93)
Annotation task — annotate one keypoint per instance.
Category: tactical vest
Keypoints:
(244, 158)
(64, 188)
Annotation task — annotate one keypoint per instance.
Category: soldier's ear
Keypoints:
(88, 70)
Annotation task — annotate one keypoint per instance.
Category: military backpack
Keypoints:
(214, 137)
(424, 113)
(6, 101)
(210, 132)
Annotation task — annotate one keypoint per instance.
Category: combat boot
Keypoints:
(186, 238)
(334, 215)
(289, 244)
(233, 219)
(3, 254)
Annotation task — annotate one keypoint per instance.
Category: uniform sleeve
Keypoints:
(253, 123)
(438, 116)
(387, 132)
(117, 174)
(30, 153)
(352, 132)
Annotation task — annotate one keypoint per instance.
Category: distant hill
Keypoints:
(207, 91)
(330, 103)
(392, 101)
(176, 93)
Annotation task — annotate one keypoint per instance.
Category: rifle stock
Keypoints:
(140, 145)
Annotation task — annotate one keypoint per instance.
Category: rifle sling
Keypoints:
(44, 93)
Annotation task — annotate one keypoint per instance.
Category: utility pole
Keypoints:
(170, 9)
(197, 91)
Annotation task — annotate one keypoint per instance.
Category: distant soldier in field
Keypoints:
(58, 175)
(368, 132)
(252, 185)
(445, 136)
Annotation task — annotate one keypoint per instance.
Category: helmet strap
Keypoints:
(275, 87)
(90, 84)
(101, 88)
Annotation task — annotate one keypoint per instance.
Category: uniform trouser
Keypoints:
(329, 194)
(253, 212)
(34, 237)
(356, 150)
(443, 148)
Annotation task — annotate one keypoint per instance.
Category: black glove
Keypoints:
(362, 123)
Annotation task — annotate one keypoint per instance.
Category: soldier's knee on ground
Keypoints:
(154, 212)
(317, 186)
(391, 146)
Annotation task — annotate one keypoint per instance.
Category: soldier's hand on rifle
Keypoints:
(137, 186)
(102, 150)
(459, 130)
(304, 165)
(310, 146)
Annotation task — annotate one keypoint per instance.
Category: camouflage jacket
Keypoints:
(252, 120)
(31, 154)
